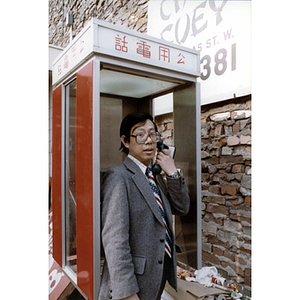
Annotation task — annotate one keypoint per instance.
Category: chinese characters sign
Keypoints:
(146, 49)
(220, 30)
(73, 54)
(103, 38)
(120, 44)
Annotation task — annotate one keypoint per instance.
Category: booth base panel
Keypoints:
(191, 290)
(60, 285)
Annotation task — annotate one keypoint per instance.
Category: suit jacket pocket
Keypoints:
(139, 263)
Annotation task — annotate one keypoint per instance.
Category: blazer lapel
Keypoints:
(141, 182)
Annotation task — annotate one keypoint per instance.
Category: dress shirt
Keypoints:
(140, 164)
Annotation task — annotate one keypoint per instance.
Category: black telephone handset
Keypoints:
(156, 169)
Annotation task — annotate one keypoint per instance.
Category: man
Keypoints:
(137, 234)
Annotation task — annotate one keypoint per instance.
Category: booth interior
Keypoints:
(124, 93)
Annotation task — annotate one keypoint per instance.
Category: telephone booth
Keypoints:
(104, 74)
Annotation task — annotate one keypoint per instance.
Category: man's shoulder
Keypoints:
(126, 165)
(117, 169)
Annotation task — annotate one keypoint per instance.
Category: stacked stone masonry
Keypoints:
(226, 190)
(132, 14)
(165, 127)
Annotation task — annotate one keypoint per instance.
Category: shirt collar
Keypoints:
(139, 164)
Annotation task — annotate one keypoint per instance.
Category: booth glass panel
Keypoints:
(180, 107)
(185, 142)
(70, 179)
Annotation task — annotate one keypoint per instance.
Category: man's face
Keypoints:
(143, 152)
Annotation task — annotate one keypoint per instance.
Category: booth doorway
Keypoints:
(124, 92)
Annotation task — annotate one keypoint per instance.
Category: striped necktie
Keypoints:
(154, 188)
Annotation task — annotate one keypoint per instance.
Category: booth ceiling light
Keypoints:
(121, 84)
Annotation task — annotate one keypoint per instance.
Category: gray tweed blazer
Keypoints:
(133, 233)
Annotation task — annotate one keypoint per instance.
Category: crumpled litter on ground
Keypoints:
(236, 295)
(205, 274)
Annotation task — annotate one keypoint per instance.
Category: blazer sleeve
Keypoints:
(177, 194)
(115, 235)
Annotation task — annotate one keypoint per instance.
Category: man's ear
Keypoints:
(124, 140)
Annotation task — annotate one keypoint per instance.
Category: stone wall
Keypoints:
(132, 14)
(226, 186)
(226, 189)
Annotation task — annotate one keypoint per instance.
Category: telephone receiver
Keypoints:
(156, 169)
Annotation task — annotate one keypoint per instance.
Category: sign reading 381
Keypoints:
(220, 58)
(220, 30)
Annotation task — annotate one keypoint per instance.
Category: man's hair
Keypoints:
(128, 122)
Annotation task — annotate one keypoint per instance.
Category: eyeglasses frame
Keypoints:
(157, 134)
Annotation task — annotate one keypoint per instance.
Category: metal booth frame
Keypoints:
(101, 46)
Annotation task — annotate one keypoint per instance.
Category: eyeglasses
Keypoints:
(142, 137)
